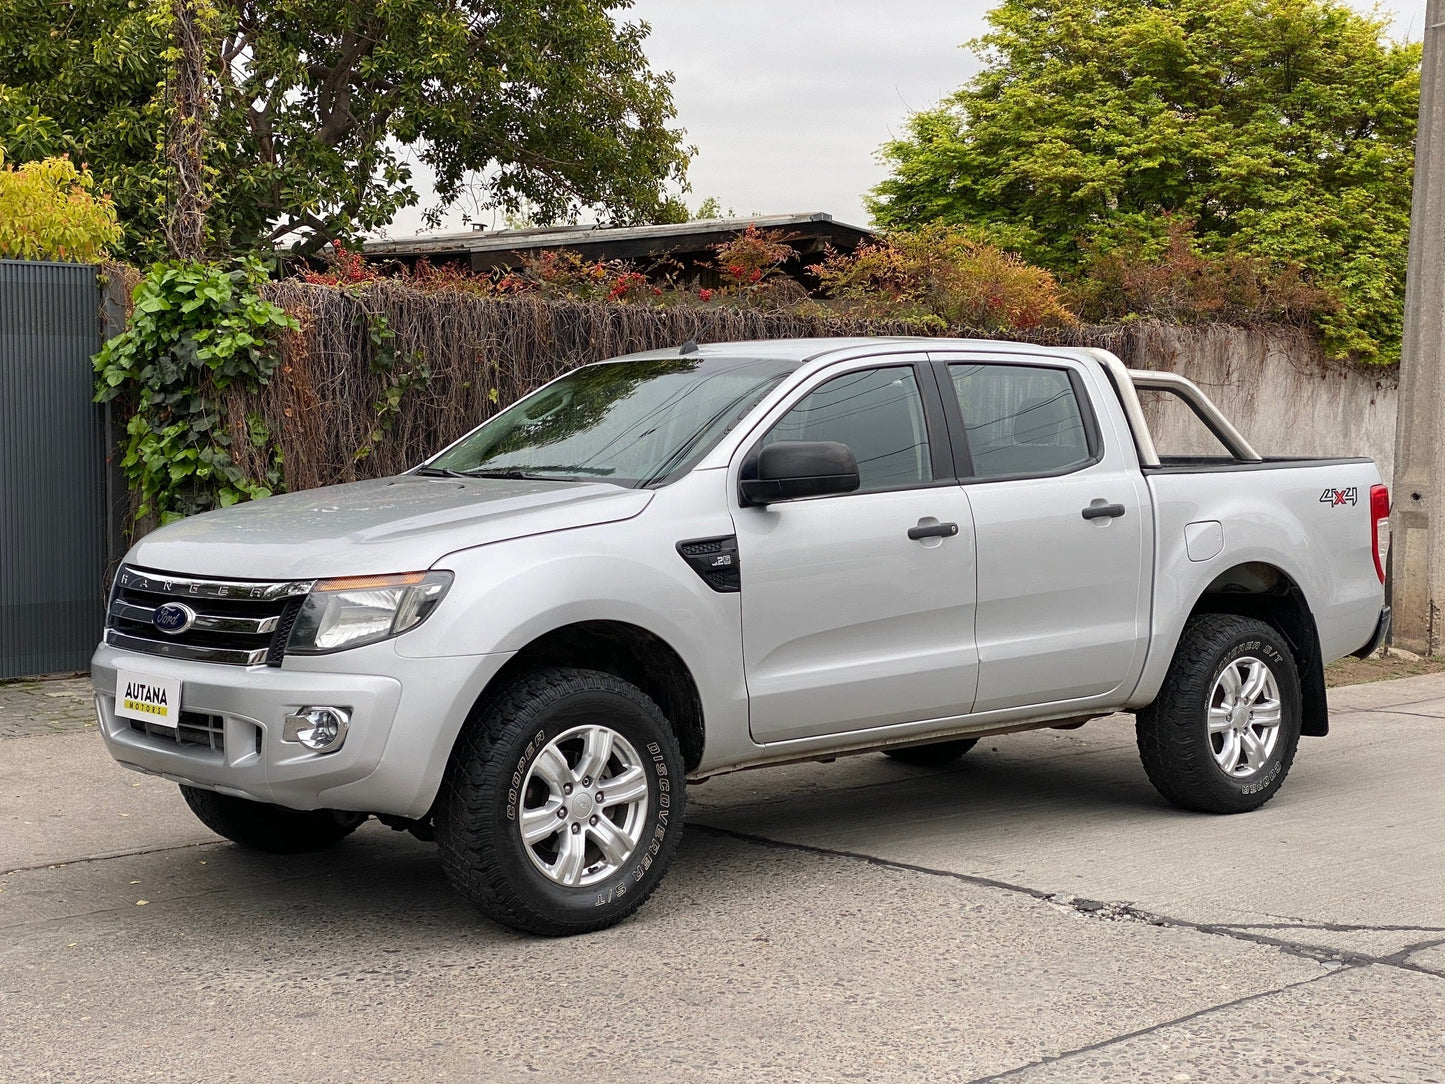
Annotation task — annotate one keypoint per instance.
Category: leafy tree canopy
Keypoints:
(1281, 129)
(48, 213)
(319, 109)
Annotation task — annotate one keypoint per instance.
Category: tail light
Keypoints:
(1380, 527)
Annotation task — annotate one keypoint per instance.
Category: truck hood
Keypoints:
(400, 524)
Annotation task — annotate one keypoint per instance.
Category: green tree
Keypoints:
(47, 212)
(1282, 129)
(320, 109)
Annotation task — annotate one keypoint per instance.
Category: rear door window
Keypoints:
(1020, 420)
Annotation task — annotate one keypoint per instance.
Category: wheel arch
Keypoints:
(1267, 593)
(630, 652)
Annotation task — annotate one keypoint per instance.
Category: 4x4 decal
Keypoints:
(1341, 496)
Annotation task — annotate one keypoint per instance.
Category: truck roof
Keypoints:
(1126, 382)
(803, 350)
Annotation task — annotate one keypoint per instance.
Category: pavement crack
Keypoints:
(1049, 1059)
(1393, 711)
(1419, 946)
(109, 855)
(1383, 707)
(160, 902)
(1111, 912)
(1327, 927)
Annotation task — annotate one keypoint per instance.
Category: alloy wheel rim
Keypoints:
(583, 806)
(1244, 717)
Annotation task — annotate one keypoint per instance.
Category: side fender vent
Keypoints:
(715, 560)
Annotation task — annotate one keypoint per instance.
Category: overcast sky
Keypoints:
(787, 101)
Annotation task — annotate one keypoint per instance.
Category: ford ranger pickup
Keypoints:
(691, 561)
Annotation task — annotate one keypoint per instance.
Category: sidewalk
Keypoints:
(48, 706)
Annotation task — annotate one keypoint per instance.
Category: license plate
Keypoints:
(148, 697)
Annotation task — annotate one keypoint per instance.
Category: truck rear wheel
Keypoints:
(562, 806)
(1222, 734)
(936, 754)
(271, 828)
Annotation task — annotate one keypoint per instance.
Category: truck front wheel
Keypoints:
(272, 828)
(562, 806)
(1221, 736)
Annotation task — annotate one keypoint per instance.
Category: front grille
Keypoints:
(238, 622)
(195, 728)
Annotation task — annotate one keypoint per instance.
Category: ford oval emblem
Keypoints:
(173, 618)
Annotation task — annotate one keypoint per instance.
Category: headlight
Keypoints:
(360, 610)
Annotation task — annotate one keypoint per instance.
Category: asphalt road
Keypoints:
(1034, 914)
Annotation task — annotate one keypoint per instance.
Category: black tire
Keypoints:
(938, 754)
(271, 828)
(485, 792)
(1173, 732)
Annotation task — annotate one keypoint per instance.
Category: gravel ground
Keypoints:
(1352, 671)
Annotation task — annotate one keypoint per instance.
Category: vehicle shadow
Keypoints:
(1000, 780)
(383, 898)
(1050, 793)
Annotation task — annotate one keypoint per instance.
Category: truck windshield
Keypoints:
(632, 423)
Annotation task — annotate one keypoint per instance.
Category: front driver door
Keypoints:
(848, 623)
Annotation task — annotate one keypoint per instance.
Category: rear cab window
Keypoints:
(1022, 421)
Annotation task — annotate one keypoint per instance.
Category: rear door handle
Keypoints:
(1101, 511)
(936, 530)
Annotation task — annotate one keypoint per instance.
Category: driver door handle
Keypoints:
(1100, 511)
(936, 530)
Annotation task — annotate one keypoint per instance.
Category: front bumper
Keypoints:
(405, 716)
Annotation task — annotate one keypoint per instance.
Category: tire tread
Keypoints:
(464, 826)
(1182, 768)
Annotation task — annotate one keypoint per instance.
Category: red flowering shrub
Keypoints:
(750, 258)
(631, 286)
(554, 275)
(450, 277)
(343, 268)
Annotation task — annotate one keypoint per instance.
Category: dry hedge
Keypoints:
(484, 353)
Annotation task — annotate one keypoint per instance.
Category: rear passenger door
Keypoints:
(1063, 529)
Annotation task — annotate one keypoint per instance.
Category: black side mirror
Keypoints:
(798, 468)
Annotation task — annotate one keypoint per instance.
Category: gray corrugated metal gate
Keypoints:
(52, 469)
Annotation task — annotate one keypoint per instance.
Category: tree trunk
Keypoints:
(185, 140)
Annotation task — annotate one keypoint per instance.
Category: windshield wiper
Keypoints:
(532, 474)
(437, 472)
(513, 476)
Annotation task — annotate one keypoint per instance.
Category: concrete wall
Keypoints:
(1272, 383)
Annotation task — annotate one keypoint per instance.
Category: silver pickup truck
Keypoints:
(691, 561)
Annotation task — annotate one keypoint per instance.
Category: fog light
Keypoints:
(321, 730)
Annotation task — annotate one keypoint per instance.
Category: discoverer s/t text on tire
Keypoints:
(1221, 736)
(562, 806)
